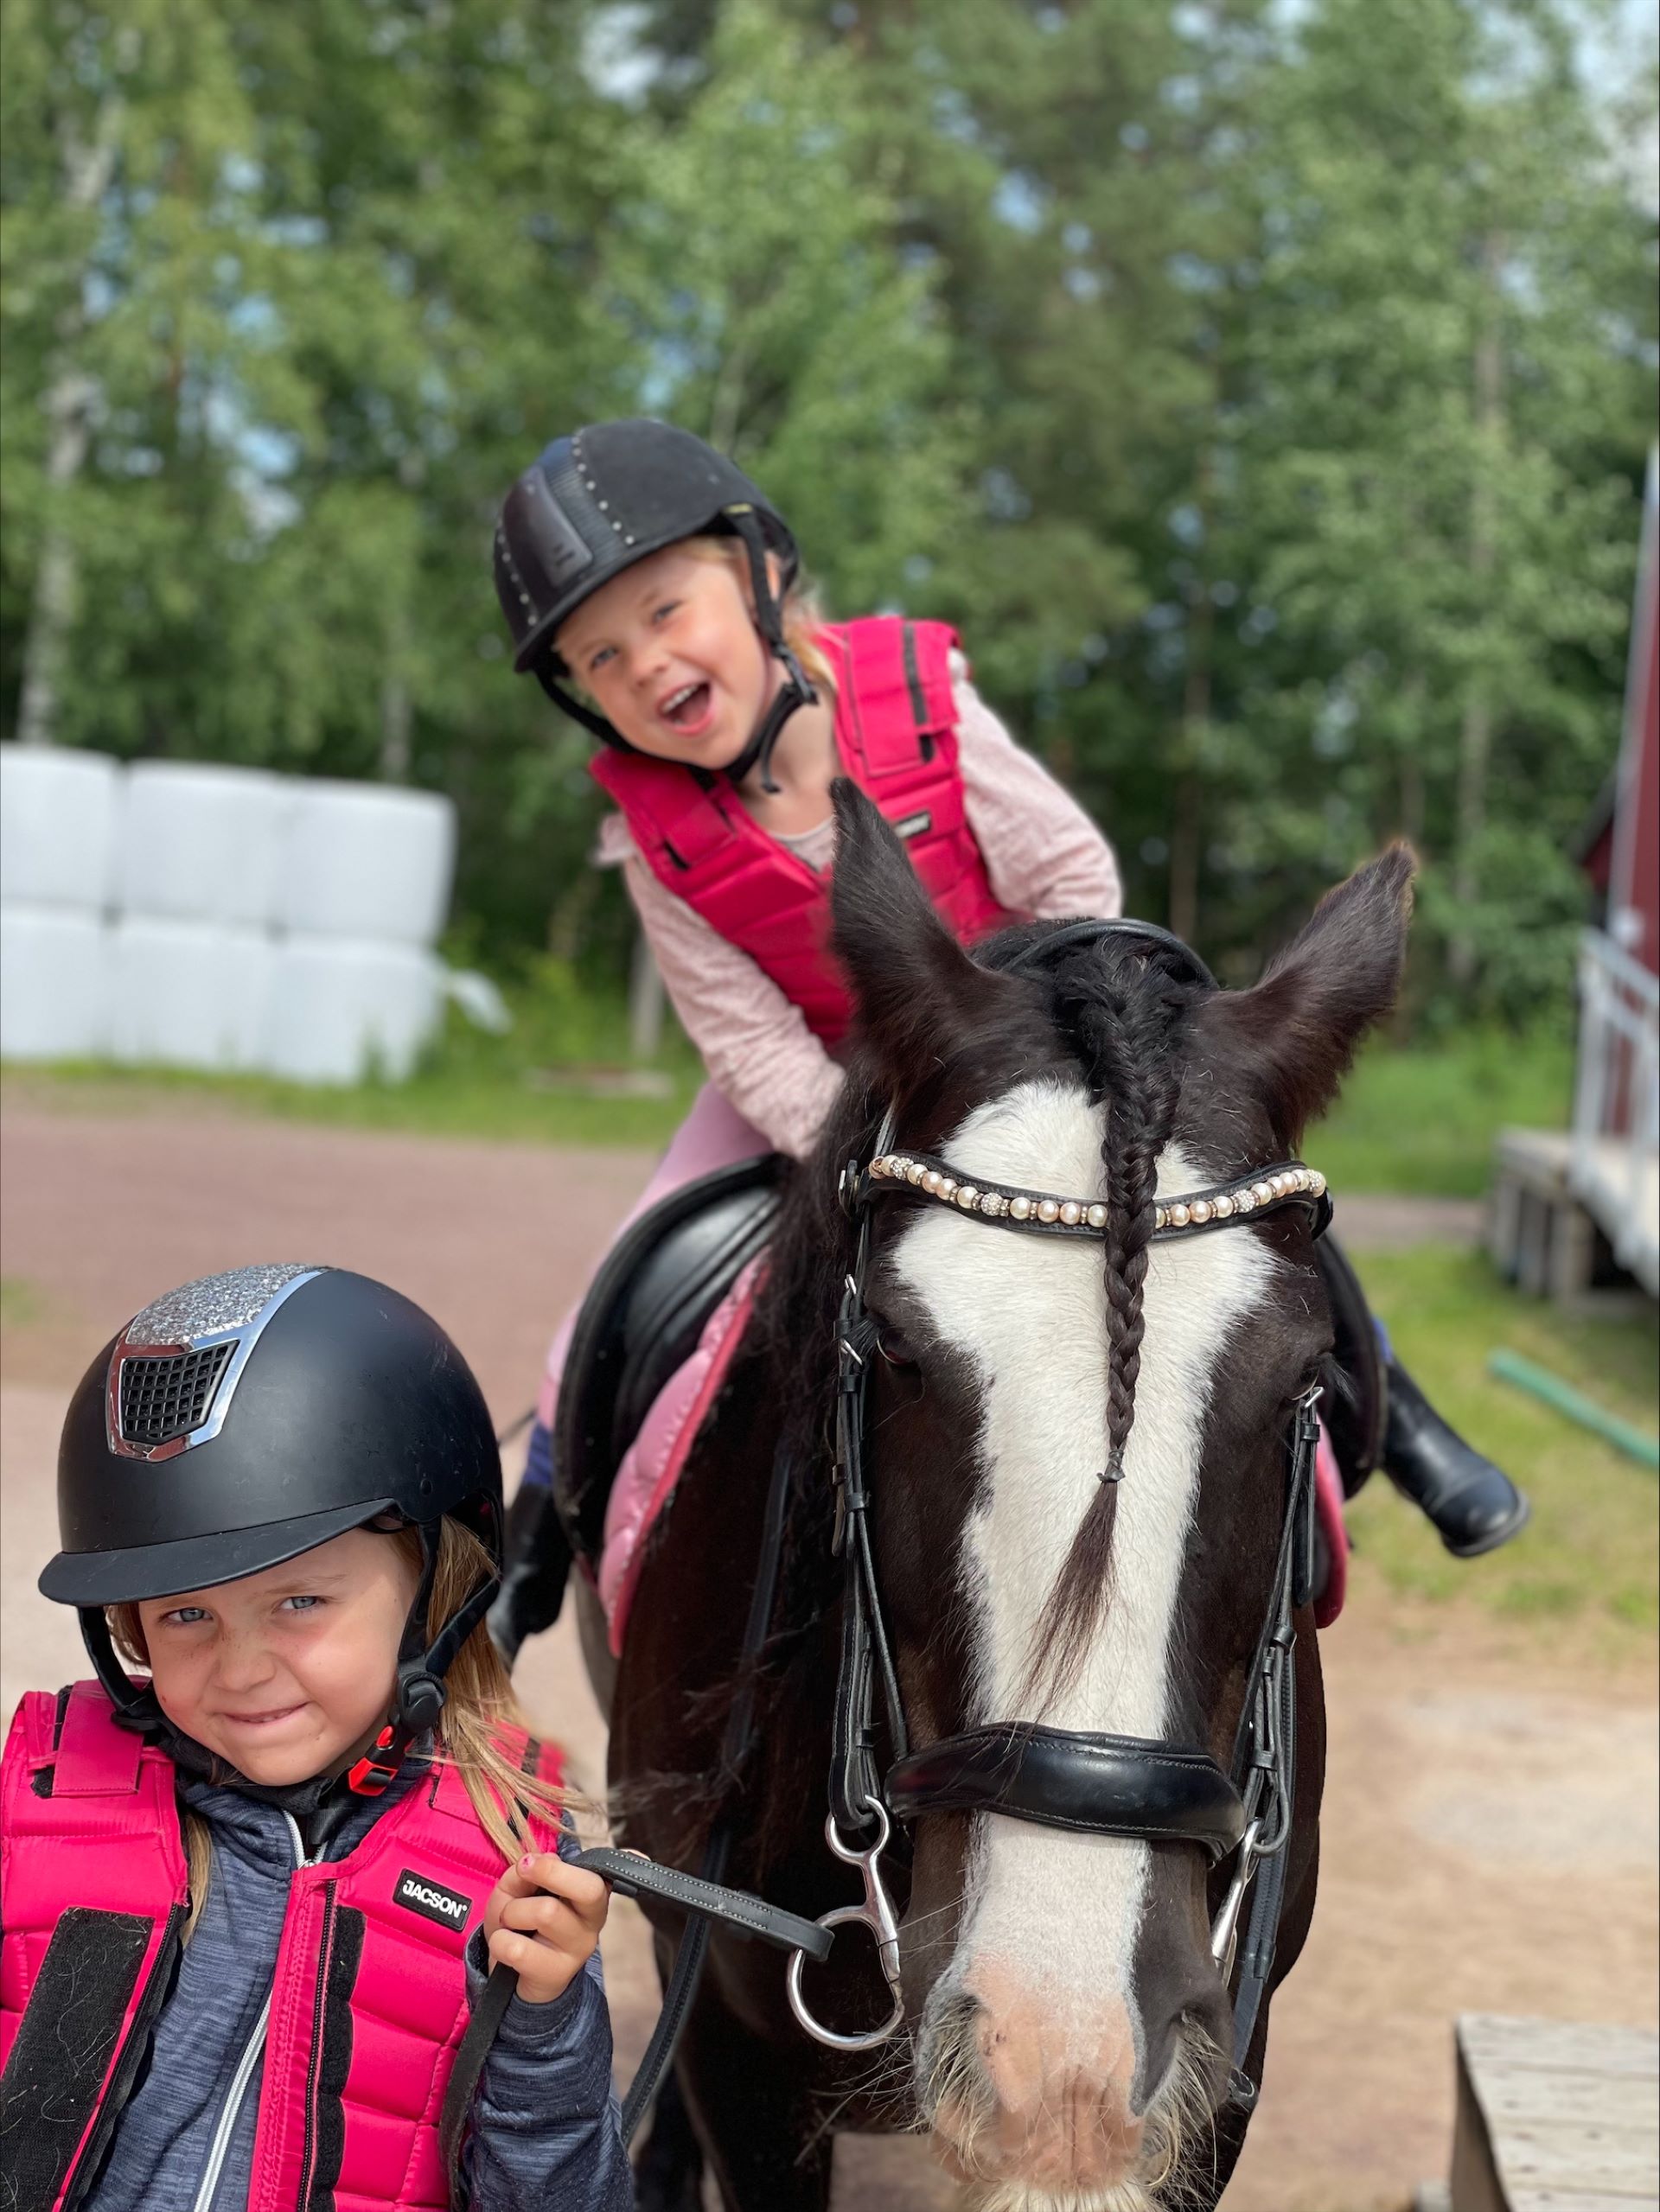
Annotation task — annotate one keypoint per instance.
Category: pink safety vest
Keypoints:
(895, 731)
(369, 1997)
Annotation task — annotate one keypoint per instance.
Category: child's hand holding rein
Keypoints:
(543, 1919)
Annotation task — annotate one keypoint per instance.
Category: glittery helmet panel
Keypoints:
(211, 1303)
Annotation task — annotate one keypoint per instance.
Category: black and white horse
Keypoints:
(1067, 2033)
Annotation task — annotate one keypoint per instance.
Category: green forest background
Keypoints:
(1263, 390)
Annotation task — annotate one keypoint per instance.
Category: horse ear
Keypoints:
(1295, 1034)
(917, 991)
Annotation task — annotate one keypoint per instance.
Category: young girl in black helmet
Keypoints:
(252, 1897)
(654, 592)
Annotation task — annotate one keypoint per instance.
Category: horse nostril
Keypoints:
(951, 2071)
(1185, 2062)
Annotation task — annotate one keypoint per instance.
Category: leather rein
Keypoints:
(1097, 1784)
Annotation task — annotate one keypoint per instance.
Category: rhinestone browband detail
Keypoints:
(1038, 1209)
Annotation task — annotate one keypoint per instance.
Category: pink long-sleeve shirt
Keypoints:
(1044, 856)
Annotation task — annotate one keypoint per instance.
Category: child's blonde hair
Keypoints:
(804, 615)
(479, 1706)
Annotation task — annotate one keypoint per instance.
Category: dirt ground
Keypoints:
(1490, 1833)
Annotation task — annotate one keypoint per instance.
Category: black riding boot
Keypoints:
(1474, 1505)
(1380, 1418)
(532, 1576)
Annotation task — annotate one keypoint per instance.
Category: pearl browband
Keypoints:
(1263, 1191)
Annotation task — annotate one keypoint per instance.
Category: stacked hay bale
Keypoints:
(188, 915)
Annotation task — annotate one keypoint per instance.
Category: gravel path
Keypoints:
(1489, 1832)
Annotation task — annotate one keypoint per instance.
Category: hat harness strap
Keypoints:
(420, 1696)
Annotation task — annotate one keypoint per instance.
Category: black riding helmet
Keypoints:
(248, 1418)
(590, 505)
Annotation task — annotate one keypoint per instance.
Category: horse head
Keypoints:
(1079, 1488)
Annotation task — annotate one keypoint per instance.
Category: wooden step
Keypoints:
(1555, 2117)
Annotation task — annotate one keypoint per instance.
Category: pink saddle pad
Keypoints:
(651, 1466)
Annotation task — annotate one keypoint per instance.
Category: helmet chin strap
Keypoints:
(134, 1704)
(419, 1698)
(796, 690)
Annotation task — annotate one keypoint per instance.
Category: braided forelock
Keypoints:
(1124, 1016)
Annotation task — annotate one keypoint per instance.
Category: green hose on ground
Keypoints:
(1624, 1436)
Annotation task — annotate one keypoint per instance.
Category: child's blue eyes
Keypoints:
(609, 652)
(186, 1617)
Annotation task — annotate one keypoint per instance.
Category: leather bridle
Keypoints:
(1159, 1792)
(1097, 1784)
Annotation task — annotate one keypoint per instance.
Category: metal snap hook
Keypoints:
(1226, 1927)
(878, 1914)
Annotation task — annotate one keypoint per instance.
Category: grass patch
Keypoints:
(21, 1302)
(434, 1102)
(1422, 1118)
(1588, 1557)
(1418, 1119)
(561, 1075)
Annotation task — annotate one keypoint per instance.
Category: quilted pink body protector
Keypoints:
(369, 1995)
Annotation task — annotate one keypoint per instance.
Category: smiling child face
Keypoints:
(282, 1674)
(669, 653)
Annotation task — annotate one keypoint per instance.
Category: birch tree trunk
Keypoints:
(1476, 729)
(87, 167)
(1187, 815)
(646, 1002)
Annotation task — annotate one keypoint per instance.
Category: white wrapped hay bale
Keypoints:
(53, 983)
(342, 1008)
(365, 861)
(188, 994)
(59, 811)
(201, 842)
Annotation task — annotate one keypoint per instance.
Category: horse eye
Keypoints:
(1312, 1380)
(895, 1347)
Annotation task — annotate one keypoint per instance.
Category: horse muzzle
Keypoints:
(1016, 2096)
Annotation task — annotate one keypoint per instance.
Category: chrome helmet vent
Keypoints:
(168, 1395)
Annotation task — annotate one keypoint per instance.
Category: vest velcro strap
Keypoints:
(95, 1758)
(688, 821)
(447, 1793)
(65, 2043)
(899, 683)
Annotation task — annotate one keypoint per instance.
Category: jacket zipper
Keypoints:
(218, 2150)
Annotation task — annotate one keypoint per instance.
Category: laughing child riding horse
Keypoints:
(654, 592)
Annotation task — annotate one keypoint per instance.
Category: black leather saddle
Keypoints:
(642, 1319)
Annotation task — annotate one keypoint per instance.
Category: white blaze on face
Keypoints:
(1051, 1914)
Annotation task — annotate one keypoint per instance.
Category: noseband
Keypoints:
(1096, 1784)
